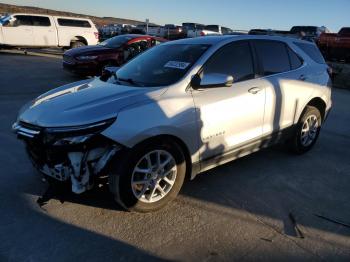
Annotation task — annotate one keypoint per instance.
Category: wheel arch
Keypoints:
(79, 38)
(320, 104)
(177, 140)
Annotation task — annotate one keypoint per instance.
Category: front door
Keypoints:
(230, 117)
(19, 32)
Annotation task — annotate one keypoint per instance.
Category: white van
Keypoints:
(46, 31)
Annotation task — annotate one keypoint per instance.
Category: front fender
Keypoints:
(138, 123)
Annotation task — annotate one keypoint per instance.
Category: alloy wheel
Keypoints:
(309, 130)
(153, 176)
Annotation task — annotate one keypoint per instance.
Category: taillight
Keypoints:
(202, 34)
(96, 35)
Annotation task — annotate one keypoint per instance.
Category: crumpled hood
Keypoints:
(84, 102)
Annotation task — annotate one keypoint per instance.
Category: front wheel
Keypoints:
(149, 176)
(307, 130)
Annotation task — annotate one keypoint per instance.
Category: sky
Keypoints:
(236, 14)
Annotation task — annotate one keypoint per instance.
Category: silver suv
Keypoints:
(177, 110)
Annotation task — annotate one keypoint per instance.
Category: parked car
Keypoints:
(211, 30)
(90, 60)
(177, 110)
(189, 29)
(336, 46)
(272, 33)
(172, 32)
(151, 29)
(23, 30)
(267, 32)
(309, 33)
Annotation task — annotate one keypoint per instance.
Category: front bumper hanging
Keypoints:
(78, 162)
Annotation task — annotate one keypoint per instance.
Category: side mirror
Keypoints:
(108, 71)
(211, 80)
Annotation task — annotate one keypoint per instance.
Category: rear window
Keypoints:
(312, 51)
(192, 26)
(73, 22)
(273, 56)
(41, 21)
(170, 26)
(306, 29)
(226, 31)
(345, 31)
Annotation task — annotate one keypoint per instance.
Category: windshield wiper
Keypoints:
(129, 80)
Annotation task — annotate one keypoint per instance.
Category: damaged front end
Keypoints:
(77, 153)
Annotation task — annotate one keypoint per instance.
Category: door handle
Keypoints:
(254, 90)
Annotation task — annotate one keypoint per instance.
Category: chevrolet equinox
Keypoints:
(177, 110)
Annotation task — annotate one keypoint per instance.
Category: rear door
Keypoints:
(44, 31)
(286, 89)
(69, 28)
(19, 32)
(229, 117)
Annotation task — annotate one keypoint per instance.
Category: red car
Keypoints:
(116, 51)
(336, 46)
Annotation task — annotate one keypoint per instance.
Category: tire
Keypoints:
(123, 172)
(76, 44)
(304, 140)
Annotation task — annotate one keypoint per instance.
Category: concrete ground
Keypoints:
(239, 211)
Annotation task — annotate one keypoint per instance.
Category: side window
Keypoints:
(312, 51)
(295, 60)
(41, 21)
(234, 59)
(23, 20)
(73, 22)
(135, 49)
(273, 56)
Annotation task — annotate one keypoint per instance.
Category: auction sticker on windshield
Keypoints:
(177, 65)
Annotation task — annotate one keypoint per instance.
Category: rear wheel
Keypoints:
(149, 176)
(307, 130)
(77, 44)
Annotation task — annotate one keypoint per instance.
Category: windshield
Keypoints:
(116, 41)
(214, 28)
(306, 29)
(162, 65)
(4, 19)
